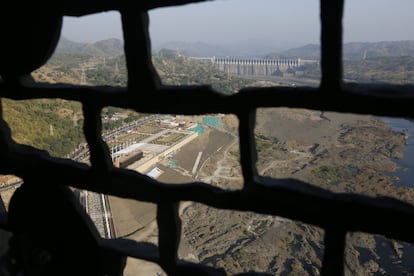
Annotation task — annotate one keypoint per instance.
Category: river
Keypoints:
(405, 173)
(388, 260)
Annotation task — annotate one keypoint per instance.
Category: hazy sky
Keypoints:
(226, 21)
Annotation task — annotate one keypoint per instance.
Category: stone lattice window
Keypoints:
(46, 177)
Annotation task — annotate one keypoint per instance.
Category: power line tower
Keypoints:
(83, 68)
(83, 76)
(116, 68)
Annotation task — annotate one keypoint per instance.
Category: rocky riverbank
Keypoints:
(339, 152)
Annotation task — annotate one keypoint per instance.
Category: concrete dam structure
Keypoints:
(256, 67)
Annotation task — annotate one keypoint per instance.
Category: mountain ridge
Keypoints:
(105, 47)
(241, 49)
(247, 48)
(357, 50)
(351, 50)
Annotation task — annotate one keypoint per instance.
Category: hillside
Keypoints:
(52, 125)
(354, 50)
(397, 70)
(176, 69)
(56, 125)
(107, 47)
(66, 45)
(388, 62)
(359, 50)
(245, 48)
(248, 48)
(196, 49)
(395, 65)
(309, 51)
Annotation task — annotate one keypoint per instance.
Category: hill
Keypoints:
(354, 50)
(246, 48)
(66, 45)
(385, 61)
(52, 125)
(309, 51)
(56, 125)
(176, 69)
(196, 49)
(359, 50)
(107, 47)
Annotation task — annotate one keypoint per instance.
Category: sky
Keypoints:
(230, 21)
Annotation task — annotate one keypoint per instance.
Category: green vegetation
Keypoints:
(111, 72)
(331, 174)
(175, 69)
(269, 147)
(98, 70)
(328, 174)
(264, 143)
(397, 70)
(52, 125)
(112, 120)
(310, 70)
(386, 61)
(170, 139)
(56, 125)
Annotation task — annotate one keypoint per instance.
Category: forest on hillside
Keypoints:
(396, 70)
(176, 69)
(52, 125)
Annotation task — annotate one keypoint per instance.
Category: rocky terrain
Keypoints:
(340, 152)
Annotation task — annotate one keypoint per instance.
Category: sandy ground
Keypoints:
(136, 220)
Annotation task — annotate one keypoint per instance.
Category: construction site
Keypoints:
(167, 148)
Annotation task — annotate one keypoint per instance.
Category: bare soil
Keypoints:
(339, 152)
(344, 153)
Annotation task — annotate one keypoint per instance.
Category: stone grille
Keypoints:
(337, 214)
